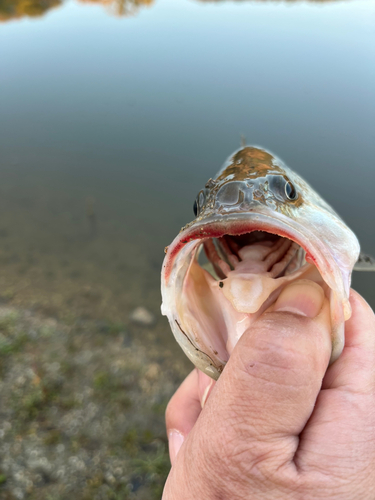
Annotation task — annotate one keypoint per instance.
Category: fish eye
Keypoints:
(199, 203)
(290, 191)
(195, 208)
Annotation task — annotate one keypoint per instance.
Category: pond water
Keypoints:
(113, 114)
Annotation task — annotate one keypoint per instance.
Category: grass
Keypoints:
(8, 322)
(12, 340)
(53, 437)
(159, 408)
(153, 468)
(39, 396)
(10, 346)
(137, 441)
(111, 388)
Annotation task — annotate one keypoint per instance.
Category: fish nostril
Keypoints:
(201, 199)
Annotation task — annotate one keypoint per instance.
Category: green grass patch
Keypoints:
(53, 437)
(12, 345)
(153, 469)
(8, 322)
(112, 388)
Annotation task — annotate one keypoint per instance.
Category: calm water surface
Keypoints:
(114, 114)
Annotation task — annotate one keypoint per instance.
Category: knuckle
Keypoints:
(259, 466)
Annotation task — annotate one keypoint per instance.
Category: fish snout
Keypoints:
(242, 195)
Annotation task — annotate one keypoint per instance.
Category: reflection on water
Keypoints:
(121, 7)
(15, 9)
(284, 1)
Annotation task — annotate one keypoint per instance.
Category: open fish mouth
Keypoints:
(258, 228)
(256, 253)
(224, 273)
(241, 278)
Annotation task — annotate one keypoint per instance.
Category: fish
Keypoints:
(258, 227)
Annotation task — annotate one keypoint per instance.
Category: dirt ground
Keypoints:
(82, 407)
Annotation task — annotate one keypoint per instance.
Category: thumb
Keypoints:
(268, 389)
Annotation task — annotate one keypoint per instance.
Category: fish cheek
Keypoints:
(201, 314)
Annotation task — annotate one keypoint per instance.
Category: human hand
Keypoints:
(270, 428)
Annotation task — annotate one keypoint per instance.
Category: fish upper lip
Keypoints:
(236, 223)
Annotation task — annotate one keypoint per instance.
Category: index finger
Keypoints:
(345, 406)
(185, 407)
(355, 367)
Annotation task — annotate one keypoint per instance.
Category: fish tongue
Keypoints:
(247, 292)
(249, 285)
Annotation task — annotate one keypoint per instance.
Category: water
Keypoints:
(110, 124)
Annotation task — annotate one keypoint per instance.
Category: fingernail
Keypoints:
(175, 440)
(302, 297)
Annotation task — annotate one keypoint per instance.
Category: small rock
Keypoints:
(126, 339)
(153, 372)
(103, 326)
(110, 478)
(142, 316)
(20, 381)
(18, 493)
(60, 448)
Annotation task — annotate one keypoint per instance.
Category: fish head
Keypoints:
(260, 226)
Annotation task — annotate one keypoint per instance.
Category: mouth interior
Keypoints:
(232, 280)
(256, 253)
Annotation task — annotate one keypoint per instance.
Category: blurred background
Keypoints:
(113, 115)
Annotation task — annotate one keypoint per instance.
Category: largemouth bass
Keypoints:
(258, 227)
